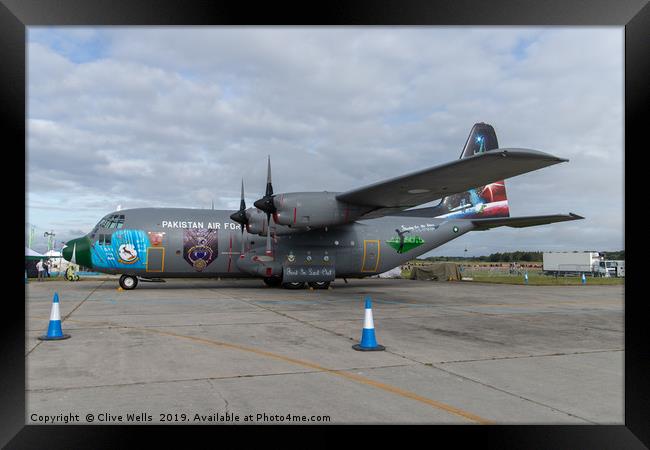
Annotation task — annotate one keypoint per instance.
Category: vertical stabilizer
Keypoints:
(483, 201)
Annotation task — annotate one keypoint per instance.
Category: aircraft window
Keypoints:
(104, 239)
(94, 232)
(114, 221)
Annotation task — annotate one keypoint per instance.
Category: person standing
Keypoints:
(46, 266)
(41, 270)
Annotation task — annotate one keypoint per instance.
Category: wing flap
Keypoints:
(521, 222)
(457, 176)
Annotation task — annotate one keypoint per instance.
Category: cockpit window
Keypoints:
(113, 221)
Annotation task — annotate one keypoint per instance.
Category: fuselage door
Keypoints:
(156, 251)
(371, 256)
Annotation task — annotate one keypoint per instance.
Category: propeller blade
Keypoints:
(243, 243)
(240, 216)
(269, 250)
(269, 186)
(266, 203)
(242, 204)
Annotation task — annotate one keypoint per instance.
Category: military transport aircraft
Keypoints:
(315, 237)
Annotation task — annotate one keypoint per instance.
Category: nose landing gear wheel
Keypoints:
(319, 284)
(294, 285)
(128, 282)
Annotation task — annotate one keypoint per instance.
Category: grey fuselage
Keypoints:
(175, 242)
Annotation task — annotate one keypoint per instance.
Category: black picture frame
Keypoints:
(16, 15)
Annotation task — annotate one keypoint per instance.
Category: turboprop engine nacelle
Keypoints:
(313, 210)
(256, 221)
(257, 224)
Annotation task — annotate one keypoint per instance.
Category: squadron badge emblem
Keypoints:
(200, 247)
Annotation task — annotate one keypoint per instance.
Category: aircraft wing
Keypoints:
(521, 222)
(458, 176)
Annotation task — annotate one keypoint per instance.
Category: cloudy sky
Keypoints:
(143, 116)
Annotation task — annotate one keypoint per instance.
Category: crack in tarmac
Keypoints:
(68, 315)
(521, 397)
(334, 371)
(432, 365)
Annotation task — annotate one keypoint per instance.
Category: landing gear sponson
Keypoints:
(277, 282)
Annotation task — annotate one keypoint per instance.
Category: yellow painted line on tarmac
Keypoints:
(347, 375)
(350, 376)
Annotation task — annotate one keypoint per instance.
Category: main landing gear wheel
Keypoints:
(128, 282)
(273, 281)
(319, 284)
(294, 285)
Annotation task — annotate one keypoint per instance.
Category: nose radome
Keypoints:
(77, 251)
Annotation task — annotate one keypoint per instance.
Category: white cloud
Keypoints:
(175, 117)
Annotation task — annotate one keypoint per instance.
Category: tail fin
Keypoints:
(484, 201)
(482, 138)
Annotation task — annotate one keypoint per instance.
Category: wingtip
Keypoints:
(575, 216)
(525, 152)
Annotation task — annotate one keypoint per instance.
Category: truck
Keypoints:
(610, 268)
(615, 268)
(572, 263)
(620, 268)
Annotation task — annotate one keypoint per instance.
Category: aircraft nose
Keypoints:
(77, 251)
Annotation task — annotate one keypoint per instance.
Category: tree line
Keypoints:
(514, 257)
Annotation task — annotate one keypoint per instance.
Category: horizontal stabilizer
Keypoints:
(521, 222)
(461, 175)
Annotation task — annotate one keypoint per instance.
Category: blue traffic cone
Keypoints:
(526, 277)
(54, 332)
(584, 279)
(368, 341)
